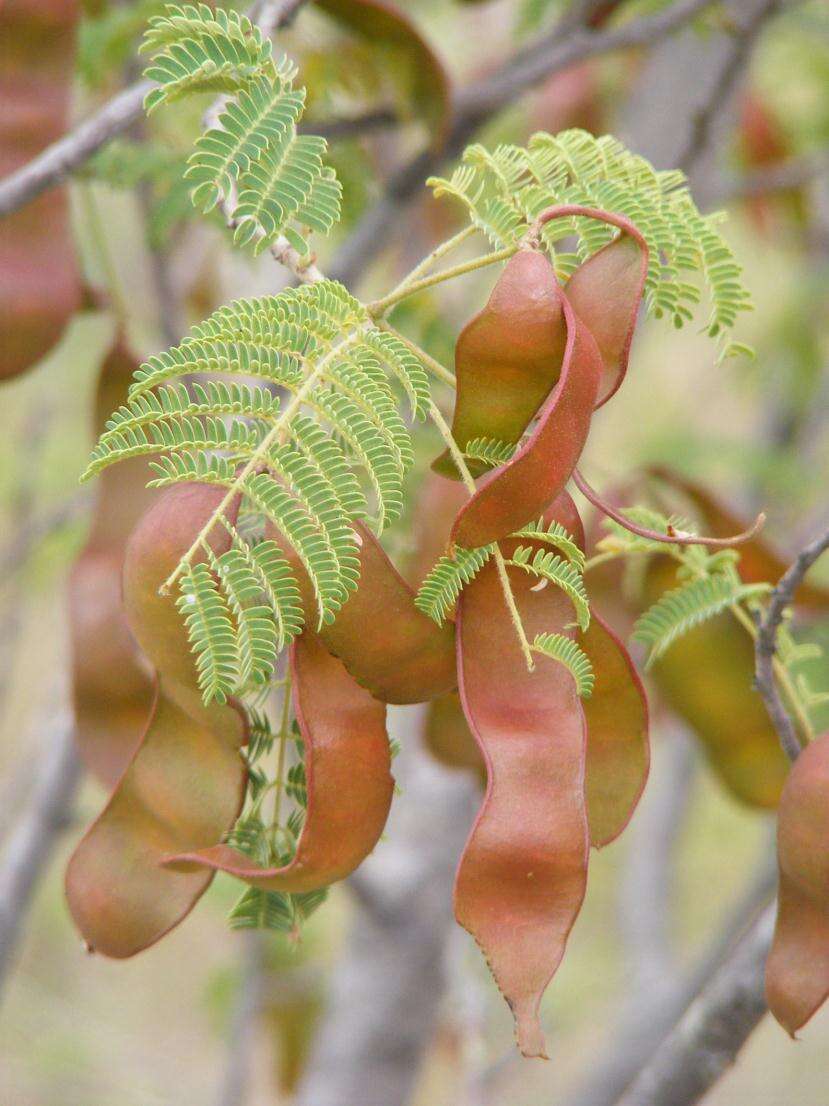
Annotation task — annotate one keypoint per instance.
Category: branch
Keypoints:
(716, 1026)
(780, 598)
(713, 1029)
(793, 173)
(247, 1007)
(641, 1029)
(30, 845)
(733, 67)
(474, 105)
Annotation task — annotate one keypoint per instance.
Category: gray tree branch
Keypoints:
(31, 843)
(713, 1029)
(551, 54)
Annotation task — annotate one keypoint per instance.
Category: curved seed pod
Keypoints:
(758, 563)
(520, 490)
(185, 785)
(39, 280)
(183, 789)
(797, 970)
(508, 357)
(618, 751)
(406, 658)
(416, 66)
(606, 292)
(522, 876)
(109, 714)
(347, 767)
(707, 677)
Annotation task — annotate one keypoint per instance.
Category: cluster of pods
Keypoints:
(562, 773)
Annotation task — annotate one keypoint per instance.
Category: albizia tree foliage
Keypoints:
(239, 628)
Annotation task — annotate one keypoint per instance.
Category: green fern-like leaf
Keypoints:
(489, 451)
(681, 609)
(556, 570)
(556, 535)
(505, 189)
(270, 180)
(210, 629)
(439, 592)
(569, 653)
(197, 49)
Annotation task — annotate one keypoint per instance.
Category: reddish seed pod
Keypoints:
(797, 970)
(185, 784)
(523, 873)
(109, 713)
(348, 778)
(606, 293)
(508, 357)
(519, 491)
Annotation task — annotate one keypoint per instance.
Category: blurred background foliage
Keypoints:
(77, 1030)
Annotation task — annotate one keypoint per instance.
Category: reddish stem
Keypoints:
(677, 537)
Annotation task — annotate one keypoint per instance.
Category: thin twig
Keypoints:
(781, 597)
(793, 173)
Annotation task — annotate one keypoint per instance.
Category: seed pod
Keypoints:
(618, 752)
(405, 658)
(707, 677)
(347, 766)
(522, 876)
(797, 970)
(508, 357)
(184, 787)
(606, 293)
(39, 280)
(519, 491)
(759, 562)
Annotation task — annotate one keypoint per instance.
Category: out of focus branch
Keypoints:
(750, 19)
(793, 173)
(236, 1078)
(549, 55)
(647, 883)
(30, 845)
(643, 1026)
